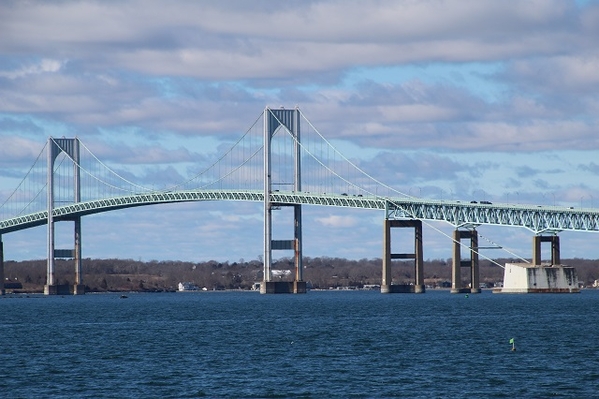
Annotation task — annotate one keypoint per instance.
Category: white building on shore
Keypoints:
(187, 286)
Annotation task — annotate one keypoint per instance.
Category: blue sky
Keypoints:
(441, 99)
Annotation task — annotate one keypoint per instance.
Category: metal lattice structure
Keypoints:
(537, 219)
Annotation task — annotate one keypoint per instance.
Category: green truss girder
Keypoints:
(548, 219)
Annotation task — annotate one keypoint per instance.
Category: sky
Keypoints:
(441, 99)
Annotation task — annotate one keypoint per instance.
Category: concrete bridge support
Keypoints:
(71, 148)
(536, 249)
(458, 263)
(78, 287)
(418, 286)
(289, 119)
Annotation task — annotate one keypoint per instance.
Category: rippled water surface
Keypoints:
(322, 344)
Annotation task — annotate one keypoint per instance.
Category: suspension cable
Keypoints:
(399, 206)
(111, 171)
(196, 176)
(25, 177)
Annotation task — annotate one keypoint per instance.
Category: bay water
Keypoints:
(324, 344)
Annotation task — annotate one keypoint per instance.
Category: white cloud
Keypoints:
(226, 41)
(14, 149)
(337, 221)
(43, 66)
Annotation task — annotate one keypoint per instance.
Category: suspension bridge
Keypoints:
(282, 160)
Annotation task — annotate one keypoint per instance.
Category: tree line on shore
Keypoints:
(102, 275)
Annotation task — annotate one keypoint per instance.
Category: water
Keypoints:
(322, 344)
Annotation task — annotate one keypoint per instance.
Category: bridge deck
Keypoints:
(539, 219)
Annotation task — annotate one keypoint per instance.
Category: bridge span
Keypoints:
(400, 211)
(538, 219)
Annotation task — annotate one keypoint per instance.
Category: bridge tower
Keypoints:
(458, 263)
(536, 249)
(288, 119)
(418, 286)
(69, 146)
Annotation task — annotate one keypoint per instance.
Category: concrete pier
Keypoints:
(78, 289)
(283, 287)
(417, 255)
(526, 278)
(458, 263)
(57, 289)
(536, 249)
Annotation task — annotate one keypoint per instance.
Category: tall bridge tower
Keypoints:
(69, 146)
(289, 120)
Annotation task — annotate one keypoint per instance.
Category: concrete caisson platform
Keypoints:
(403, 289)
(64, 289)
(521, 278)
(57, 289)
(283, 287)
